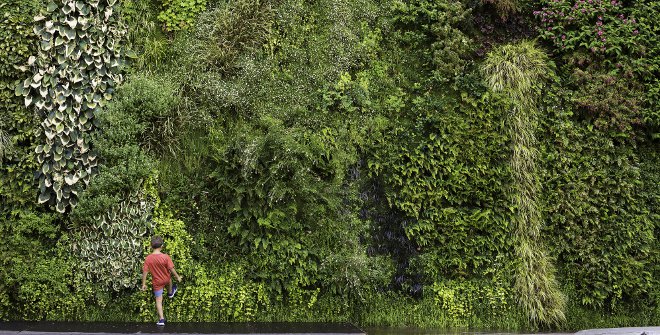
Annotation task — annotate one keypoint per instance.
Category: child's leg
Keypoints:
(159, 303)
(169, 287)
(159, 307)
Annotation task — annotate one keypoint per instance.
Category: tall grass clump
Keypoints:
(5, 144)
(517, 71)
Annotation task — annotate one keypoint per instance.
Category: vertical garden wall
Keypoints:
(431, 163)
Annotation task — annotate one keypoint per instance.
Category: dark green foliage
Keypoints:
(600, 214)
(18, 127)
(610, 53)
(16, 36)
(280, 189)
(426, 27)
(37, 276)
(458, 188)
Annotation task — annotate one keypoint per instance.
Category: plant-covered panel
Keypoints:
(438, 164)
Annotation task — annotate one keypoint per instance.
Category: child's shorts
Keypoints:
(158, 293)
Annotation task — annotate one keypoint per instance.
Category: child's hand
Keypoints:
(144, 287)
(179, 279)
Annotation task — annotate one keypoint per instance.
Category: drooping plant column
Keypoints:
(517, 71)
(72, 76)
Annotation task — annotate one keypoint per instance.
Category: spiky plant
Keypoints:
(5, 144)
(504, 8)
(517, 71)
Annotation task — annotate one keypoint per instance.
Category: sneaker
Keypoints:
(160, 322)
(171, 295)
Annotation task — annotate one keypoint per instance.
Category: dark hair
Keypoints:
(156, 242)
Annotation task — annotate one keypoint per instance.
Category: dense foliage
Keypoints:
(428, 163)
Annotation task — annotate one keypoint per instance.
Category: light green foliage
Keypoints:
(177, 241)
(444, 307)
(72, 76)
(517, 71)
(219, 294)
(180, 14)
(216, 293)
(463, 300)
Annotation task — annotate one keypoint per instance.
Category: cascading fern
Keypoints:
(73, 75)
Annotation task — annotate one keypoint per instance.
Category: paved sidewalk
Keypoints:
(98, 328)
(621, 331)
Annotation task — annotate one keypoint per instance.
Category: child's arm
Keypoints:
(178, 278)
(144, 280)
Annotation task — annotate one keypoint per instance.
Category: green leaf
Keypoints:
(69, 33)
(52, 6)
(44, 197)
(71, 179)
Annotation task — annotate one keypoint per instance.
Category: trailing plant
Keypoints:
(73, 75)
(114, 214)
(517, 71)
(109, 251)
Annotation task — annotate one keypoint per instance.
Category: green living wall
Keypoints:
(432, 163)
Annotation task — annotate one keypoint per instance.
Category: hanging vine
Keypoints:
(74, 73)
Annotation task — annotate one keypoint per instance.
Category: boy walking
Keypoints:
(160, 266)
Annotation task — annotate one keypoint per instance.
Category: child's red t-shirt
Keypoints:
(159, 265)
